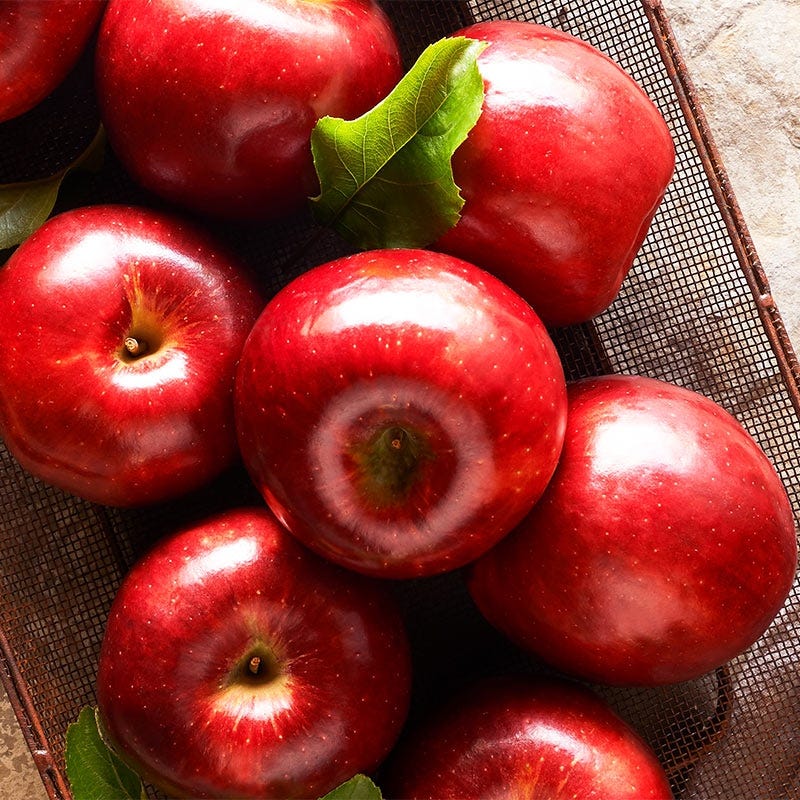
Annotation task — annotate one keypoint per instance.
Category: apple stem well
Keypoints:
(258, 667)
(389, 462)
(134, 347)
(143, 338)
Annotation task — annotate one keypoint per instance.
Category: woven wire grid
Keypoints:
(686, 314)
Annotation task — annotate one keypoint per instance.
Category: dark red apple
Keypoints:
(211, 103)
(40, 42)
(399, 410)
(121, 329)
(663, 547)
(513, 739)
(235, 663)
(562, 173)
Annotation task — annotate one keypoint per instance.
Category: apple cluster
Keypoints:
(403, 413)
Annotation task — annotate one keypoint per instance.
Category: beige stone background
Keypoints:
(744, 58)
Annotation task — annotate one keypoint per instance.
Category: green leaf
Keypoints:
(26, 206)
(359, 787)
(386, 178)
(94, 772)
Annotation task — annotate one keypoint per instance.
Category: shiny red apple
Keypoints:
(400, 410)
(562, 173)
(211, 103)
(504, 739)
(235, 663)
(121, 329)
(663, 547)
(40, 42)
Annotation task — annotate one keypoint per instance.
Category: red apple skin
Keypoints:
(79, 413)
(663, 547)
(40, 42)
(562, 173)
(211, 104)
(176, 699)
(404, 342)
(516, 739)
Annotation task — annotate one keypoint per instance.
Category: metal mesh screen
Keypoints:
(694, 311)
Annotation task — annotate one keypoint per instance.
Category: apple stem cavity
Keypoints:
(144, 337)
(397, 437)
(389, 463)
(395, 457)
(135, 347)
(258, 667)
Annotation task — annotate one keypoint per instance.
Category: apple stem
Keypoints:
(134, 346)
(254, 665)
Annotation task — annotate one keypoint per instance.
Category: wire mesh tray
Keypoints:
(695, 310)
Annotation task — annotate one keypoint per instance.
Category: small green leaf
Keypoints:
(94, 772)
(26, 206)
(359, 787)
(386, 178)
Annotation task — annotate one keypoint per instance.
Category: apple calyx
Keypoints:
(390, 462)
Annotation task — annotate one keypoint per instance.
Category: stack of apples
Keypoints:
(402, 412)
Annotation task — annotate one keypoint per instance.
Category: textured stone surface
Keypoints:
(744, 60)
(19, 779)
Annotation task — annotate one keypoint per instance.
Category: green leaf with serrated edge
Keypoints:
(386, 178)
(93, 770)
(359, 787)
(26, 206)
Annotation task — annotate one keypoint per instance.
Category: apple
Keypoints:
(515, 737)
(562, 173)
(211, 103)
(236, 663)
(663, 547)
(399, 410)
(121, 329)
(40, 42)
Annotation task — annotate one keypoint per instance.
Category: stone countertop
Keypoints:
(742, 58)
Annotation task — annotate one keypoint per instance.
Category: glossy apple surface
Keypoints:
(211, 103)
(121, 330)
(399, 410)
(663, 547)
(562, 173)
(236, 663)
(514, 739)
(40, 42)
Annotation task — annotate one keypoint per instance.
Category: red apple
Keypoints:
(121, 330)
(211, 103)
(399, 410)
(40, 42)
(235, 663)
(663, 547)
(518, 738)
(562, 173)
